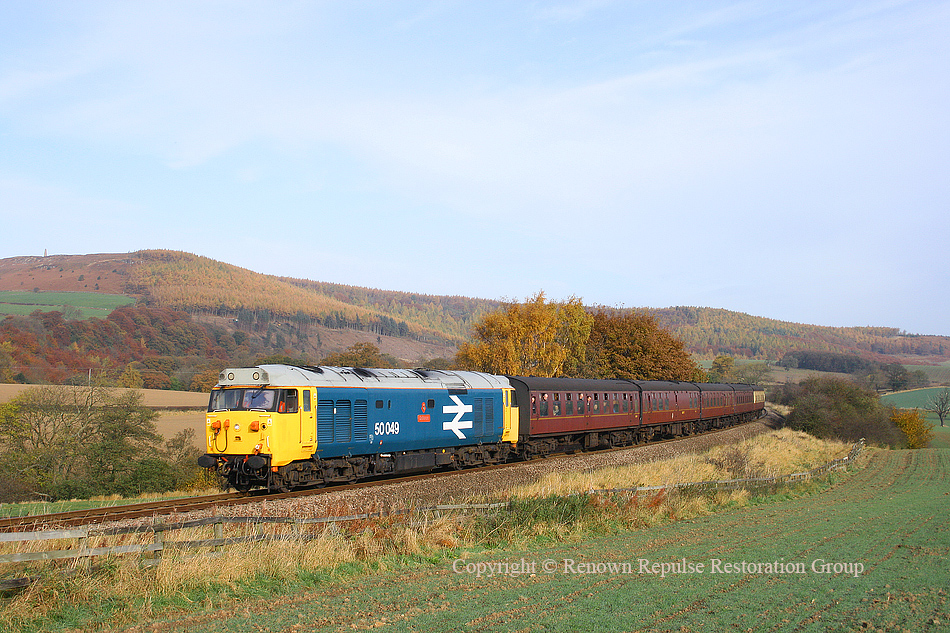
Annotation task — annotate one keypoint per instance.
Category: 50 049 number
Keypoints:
(386, 428)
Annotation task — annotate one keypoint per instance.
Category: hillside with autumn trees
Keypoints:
(708, 332)
(192, 315)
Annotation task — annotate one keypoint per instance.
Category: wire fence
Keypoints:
(301, 529)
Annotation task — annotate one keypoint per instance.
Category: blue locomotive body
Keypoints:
(284, 426)
(367, 420)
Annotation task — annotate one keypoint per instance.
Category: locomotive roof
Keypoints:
(291, 376)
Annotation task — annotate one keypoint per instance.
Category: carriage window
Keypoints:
(596, 407)
(544, 404)
(557, 404)
(616, 404)
(580, 403)
(430, 403)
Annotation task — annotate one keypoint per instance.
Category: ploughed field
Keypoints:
(870, 551)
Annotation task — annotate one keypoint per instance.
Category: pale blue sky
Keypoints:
(789, 160)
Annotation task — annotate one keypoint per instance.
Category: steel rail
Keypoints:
(183, 505)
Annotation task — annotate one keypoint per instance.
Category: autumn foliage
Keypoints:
(919, 432)
(46, 347)
(541, 338)
(632, 346)
(536, 338)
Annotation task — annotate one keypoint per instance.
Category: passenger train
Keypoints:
(282, 426)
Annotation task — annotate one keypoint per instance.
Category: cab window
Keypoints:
(288, 401)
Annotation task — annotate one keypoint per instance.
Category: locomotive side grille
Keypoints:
(360, 421)
(483, 414)
(343, 421)
(478, 412)
(324, 421)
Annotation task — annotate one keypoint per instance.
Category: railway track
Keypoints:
(189, 504)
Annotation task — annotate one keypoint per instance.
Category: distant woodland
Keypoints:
(193, 315)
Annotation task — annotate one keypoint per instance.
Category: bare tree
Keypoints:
(940, 404)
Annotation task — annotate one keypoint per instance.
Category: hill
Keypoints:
(708, 332)
(205, 287)
(212, 311)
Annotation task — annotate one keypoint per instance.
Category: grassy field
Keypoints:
(866, 550)
(919, 399)
(941, 436)
(91, 304)
(884, 528)
(938, 374)
(915, 398)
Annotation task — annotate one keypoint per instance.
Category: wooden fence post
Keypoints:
(158, 541)
(84, 561)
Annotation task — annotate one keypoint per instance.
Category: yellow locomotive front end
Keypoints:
(252, 428)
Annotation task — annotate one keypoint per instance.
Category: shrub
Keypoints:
(919, 432)
(834, 408)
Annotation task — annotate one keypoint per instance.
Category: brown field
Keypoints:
(60, 273)
(171, 422)
(177, 410)
(155, 398)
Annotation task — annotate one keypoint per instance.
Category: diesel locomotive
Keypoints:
(282, 426)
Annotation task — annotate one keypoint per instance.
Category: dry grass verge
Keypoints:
(769, 454)
(119, 591)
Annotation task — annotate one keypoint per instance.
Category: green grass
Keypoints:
(938, 374)
(32, 508)
(888, 517)
(941, 433)
(915, 398)
(90, 304)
